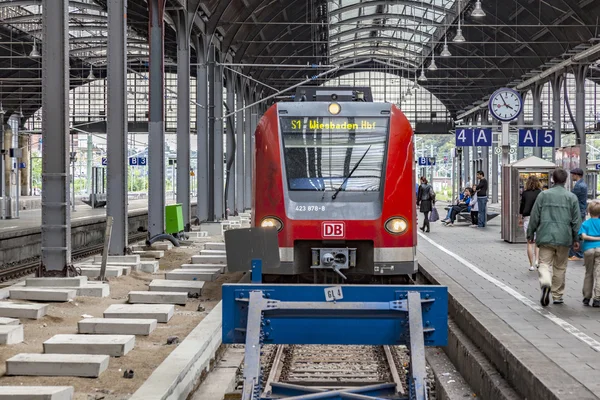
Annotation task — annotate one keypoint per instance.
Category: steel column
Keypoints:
(557, 82)
(183, 116)
(202, 196)
(493, 178)
(536, 94)
(231, 145)
(212, 197)
(116, 124)
(248, 154)
(218, 143)
(521, 122)
(56, 213)
(485, 152)
(239, 148)
(156, 121)
(580, 74)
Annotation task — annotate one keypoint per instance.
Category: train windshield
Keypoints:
(331, 153)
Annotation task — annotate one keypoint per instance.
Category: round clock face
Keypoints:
(506, 104)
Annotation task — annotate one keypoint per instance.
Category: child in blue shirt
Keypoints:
(590, 235)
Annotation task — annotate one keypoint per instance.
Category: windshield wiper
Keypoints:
(349, 175)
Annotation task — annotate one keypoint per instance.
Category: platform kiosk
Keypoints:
(514, 177)
(591, 178)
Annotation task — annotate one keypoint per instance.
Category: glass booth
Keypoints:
(514, 177)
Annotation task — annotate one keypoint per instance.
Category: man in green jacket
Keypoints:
(555, 221)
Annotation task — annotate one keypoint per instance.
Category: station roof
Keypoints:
(514, 40)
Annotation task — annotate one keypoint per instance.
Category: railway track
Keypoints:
(30, 266)
(335, 367)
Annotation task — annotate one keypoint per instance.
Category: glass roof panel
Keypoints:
(88, 29)
(373, 27)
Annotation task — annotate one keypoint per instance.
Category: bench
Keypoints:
(465, 216)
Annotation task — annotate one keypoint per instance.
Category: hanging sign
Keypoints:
(530, 137)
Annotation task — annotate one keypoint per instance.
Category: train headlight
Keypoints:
(334, 108)
(272, 222)
(396, 225)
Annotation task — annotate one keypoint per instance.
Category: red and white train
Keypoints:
(336, 178)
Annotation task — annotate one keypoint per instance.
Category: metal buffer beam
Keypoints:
(56, 214)
(255, 314)
(117, 125)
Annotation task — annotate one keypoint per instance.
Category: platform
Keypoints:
(33, 219)
(490, 278)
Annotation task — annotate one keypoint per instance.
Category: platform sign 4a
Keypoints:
(473, 137)
(536, 137)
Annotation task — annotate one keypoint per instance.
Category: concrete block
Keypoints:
(43, 294)
(162, 313)
(220, 267)
(36, 393)
(93, 271)
(213, 253)
(214, 246)
(164, 246)
(143, 297)
(112, 345)
(211, 228)
(10, 309)
(9, 321)
(11, 334)
(75, 281)
(206, 275)
(133, 259)
(116, 326)
(163, 285)
(150, 253)
(211, 259)
(149, 267)
(84, 365)
(94, 290)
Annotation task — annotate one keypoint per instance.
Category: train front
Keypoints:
(337, 181)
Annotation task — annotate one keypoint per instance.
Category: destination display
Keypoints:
(335, 124)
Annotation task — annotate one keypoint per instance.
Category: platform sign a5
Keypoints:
(530, 137)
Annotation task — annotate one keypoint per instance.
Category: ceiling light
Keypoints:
(478, 11)
(445, 52)
(432, 66)
(422, 78)
(34, 51)
(459, 36)
(91, 75)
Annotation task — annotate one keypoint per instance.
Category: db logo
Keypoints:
(333, 229)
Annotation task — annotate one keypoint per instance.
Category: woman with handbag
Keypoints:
(425, 201)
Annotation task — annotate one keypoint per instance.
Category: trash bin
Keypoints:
(173, 218)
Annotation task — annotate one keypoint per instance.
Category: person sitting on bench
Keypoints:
(460, 207)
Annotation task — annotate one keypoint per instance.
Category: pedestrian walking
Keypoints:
(482, 189)
(590, 235)
(554, 227)
(580, 190)
(425, 201)
(532, 190)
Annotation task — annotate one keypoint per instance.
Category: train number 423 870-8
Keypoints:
(310, 208)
